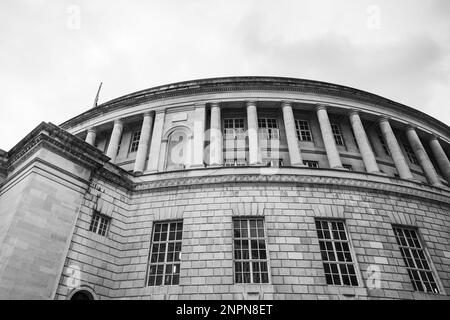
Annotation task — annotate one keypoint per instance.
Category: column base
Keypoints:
(138, 173)
(215, 165)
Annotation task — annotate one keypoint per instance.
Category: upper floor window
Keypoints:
(165, 255)
(410, 154)
(273, 162)
(311, 164)
(348, 167)
(337, 134)
(303, 130)
(335, 250)
(99, 224)
(383, 144)
(417, 265)
(134, 144)
(234, 128)
(268, 129)
(250, 257)
(236, 162)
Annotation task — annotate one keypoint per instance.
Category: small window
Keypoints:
(250, 256)
(235, 162)
(268, 129)
(311, 164)
(273, 162)
(410, 154)
(303, 130)
(99, 224)
(336, 255)
(337, 134)
(134, 144)
(165, 256)
(383, 144)
(233, 129)
(416, 262)
(348, 167)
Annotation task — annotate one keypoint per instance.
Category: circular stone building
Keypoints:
(230, 188)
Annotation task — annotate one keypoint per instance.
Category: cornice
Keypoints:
(424, 192)
(229, 84)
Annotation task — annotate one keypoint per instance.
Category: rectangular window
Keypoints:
(134, 144)
(335, 250)
(348, 167)
(303, 130)
(268, 129)
(416, 263)
(273, 162)
(250, 257)
(165, 256)
(383, 144)
(234, 129)
(235, 162)
(99, 224)
(410, 154)
(311, 164)
(337, 134)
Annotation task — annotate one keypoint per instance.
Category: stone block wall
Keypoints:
(116, 266)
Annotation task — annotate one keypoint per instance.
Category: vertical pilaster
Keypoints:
(422, 156)
(142, 152)
(396, 153)
(441, 157)
(199, 136)
(216, 141)
(363, 143)
(252, 123)
(115, 140)
(155, 145)
(91, 135)
(334, 159)
(291, 135)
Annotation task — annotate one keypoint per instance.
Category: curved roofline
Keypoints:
(240, 83)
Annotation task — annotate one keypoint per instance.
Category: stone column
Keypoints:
(291, 135)
(142, 152)
(155, 145)
(252, 123)
(422, 156)
(328, 139)
(115, 140)
(199, 136)
(396, 153)
(216, 140)
(363, 143)
(91, 135)
(441, 157)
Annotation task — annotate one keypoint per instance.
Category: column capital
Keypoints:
(159, 111)
(433, 137)
(250, 103)
(118, 121)
(411, 127)
(92, 129)
(353, 112)
(199, 105)
(147, 114)
(215, 104)
(383, 119)
(286, 103)
(321, 107)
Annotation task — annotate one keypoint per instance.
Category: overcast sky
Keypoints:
(54, 54)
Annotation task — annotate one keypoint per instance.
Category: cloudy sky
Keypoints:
(54, 53)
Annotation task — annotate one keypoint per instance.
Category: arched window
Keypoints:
(82, 295)
(177, 151)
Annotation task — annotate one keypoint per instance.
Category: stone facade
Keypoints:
(57, 179)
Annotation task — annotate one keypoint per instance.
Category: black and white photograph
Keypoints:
(227, 156)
